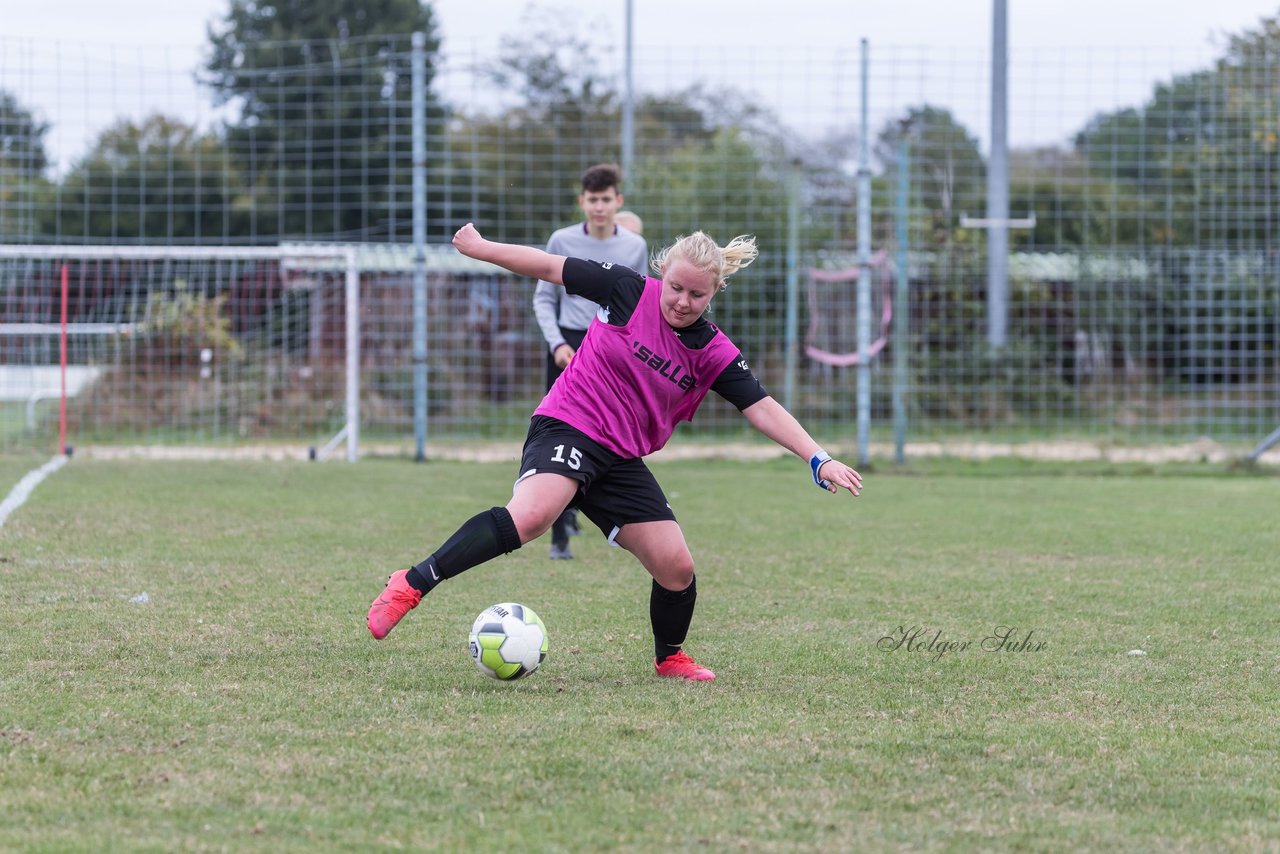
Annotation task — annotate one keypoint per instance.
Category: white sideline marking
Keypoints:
(27, 485)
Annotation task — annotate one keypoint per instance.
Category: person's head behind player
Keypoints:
(631, 221)
(601, 198)
(694, 269)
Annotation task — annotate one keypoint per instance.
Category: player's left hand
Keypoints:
(837, 475)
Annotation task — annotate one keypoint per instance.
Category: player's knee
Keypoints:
(679, 573)
(531, 522)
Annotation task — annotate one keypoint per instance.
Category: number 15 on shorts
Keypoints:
(575, 457)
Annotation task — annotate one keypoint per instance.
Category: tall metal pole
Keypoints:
(419, 115)
(863, 395)
(628, 102)
(792, 328)
(901, 300)
(998, 183)
(352, 289)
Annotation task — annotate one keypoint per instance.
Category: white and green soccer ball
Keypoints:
(508, 641)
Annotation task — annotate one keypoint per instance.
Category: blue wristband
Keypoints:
(815, 463)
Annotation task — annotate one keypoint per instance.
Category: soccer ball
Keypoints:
(508, 641)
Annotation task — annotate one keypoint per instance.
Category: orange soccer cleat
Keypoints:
(398, 599)
(680, 665)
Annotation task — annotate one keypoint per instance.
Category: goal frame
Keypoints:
(289, 256)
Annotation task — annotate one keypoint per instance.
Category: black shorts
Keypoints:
(613, 491)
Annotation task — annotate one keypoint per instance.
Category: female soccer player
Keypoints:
(647, 362)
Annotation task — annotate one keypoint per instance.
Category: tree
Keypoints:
(1073, 208)
(948, 174)
(1202, 156)
(22, 165)
(516, 168)
(158, 180)
(324, 131)
(22, 153)
(553, 70)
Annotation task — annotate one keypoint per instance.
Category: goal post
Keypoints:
(183, 344)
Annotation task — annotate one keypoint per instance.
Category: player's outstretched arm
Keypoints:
(770, 418)
(521, 260)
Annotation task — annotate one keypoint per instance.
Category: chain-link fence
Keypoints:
(1144, 292)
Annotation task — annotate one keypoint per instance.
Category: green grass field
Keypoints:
(245, 707)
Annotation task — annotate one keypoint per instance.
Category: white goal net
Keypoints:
(180, 345)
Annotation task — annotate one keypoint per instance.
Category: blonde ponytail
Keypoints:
(704, 254)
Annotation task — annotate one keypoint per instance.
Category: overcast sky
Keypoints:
(44, 40)
(1033, 23)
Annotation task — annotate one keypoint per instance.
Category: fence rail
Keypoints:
(1144, 292)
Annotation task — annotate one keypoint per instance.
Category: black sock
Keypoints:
(482, 537)
(671, 612)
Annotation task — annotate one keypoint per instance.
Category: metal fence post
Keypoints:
(863, 395)
(419, 113)
(901, 298)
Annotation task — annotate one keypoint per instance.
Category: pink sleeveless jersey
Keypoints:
(629, 386)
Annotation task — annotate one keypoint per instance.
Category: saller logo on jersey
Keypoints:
(675, 374)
